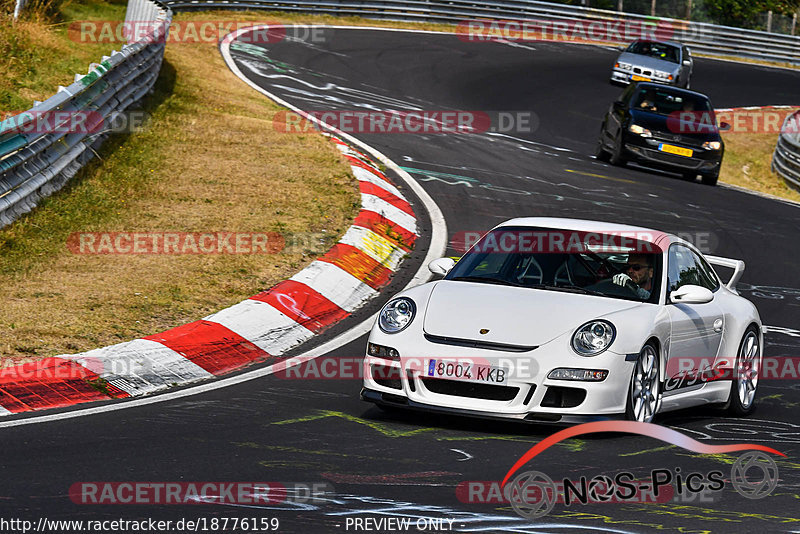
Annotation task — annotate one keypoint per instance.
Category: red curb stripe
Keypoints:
(360, 154)
(48, 383)
(210, 345)
(386, 228)
(302, 304)
(359, 264)
(367, 167)
(369, 188)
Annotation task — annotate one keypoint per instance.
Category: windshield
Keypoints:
(665, 101)
(609, 265)
(656, 50)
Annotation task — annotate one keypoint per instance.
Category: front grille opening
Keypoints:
(548, 417)
(386, 376)
(561, 397)
(470, 389)
(411, 384)
(529, 396)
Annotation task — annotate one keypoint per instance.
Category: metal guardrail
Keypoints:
(703, 38)
(786, 160)
(40, 150)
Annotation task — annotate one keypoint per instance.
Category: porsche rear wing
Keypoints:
(736, 265)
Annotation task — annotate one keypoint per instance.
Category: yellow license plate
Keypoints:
(636, 78)
(676, 150)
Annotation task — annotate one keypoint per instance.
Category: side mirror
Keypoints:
(724, 126)
(441, 266)
(687, 62)
(618, 105)
(691, 294)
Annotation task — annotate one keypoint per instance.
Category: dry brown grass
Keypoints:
(747, 162)
(210, 160)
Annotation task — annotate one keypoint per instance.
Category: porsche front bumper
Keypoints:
(527, 394)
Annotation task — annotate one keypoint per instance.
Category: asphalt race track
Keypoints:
(381, 465)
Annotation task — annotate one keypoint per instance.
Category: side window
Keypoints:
(707, 273)
(686, 267)
(627, 93)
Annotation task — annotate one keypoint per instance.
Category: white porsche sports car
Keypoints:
(565, 320)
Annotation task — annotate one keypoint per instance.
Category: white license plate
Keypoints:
(460, 370)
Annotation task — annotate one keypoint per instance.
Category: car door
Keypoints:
(696, 329)
(617, 113)
(686, 69)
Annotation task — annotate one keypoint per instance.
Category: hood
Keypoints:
(672, 126)
(513, 316)
(648, 62)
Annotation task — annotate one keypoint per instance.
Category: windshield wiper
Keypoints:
(485, 280)
(569, 288)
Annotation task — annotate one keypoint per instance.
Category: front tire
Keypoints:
(709, 179)
(600, 152)
(644, 391)
(745, 375)
(617, 157)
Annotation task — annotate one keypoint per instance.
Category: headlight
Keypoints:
(712, 145)
(644, 132)
(397, 315)
(593, 338)
(624, 66)
(662, 74)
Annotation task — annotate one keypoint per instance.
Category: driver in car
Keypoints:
(639, 277)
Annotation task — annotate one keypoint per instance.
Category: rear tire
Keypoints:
(745, 375)
(644, 390)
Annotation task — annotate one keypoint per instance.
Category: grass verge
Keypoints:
(747, 163)
(208, 160)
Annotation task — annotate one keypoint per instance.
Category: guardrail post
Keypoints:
(688, 10)
(18, 9)
(794, 22)
(769, 21)
(652, 8)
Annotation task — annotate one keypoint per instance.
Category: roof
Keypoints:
(650, 235)
(671, 43)
(671, 88)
